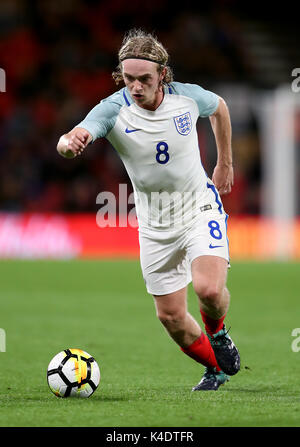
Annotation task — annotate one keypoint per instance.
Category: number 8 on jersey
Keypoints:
(162, 155)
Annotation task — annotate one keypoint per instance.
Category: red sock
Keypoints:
(212, 326)
(202, 352)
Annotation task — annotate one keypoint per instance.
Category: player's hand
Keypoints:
(73, 143)
(223, 178)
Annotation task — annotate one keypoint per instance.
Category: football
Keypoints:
(73, 373)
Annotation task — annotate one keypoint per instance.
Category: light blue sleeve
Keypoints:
(101, 119)
(206, 100)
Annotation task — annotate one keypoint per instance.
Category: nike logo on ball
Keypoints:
(215, 246)
(131, 130)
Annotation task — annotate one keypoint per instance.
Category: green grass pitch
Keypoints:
(102, 307)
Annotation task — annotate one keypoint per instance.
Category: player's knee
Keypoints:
(211, 292)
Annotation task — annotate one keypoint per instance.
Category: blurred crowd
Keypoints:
(58, 57)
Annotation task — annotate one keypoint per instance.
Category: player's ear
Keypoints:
(121, 70)
(162, 75)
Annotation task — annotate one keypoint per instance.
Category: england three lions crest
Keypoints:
(183, 123)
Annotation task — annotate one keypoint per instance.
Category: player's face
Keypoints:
(143, 82)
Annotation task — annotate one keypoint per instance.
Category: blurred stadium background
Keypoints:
(58, 56)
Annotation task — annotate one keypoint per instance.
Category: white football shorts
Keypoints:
(166, 256)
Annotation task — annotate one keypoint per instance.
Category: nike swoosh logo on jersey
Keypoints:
(215, 246)
(131, 130)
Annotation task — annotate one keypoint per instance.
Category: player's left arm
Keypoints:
(221, 124)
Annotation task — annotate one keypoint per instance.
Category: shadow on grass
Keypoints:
(246, 390)
(258, 390)
(110, 398)
(49, 399)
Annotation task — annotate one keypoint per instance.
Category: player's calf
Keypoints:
(180, 326)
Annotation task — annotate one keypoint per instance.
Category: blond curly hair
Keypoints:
(138, 44)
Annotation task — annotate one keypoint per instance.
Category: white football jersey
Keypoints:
(160, 152)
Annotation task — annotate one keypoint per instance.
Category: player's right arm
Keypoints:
(97, 124)
(73, 143)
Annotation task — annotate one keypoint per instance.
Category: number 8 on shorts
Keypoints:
(215, 231)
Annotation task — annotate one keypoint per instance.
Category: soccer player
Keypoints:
(151, 122)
